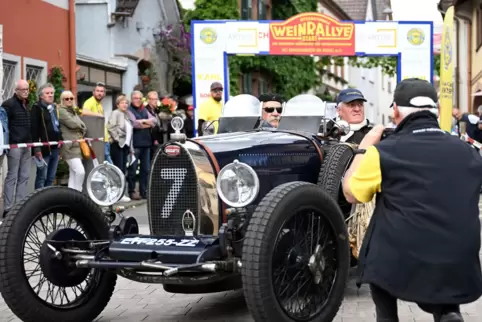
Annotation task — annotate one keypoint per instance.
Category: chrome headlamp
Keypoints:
(237, 184)
(106, 184)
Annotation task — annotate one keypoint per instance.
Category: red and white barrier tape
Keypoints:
(37, 144)
(466, 138)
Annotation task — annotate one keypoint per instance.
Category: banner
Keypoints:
(447, 71)
(1, 64)
(312, 33)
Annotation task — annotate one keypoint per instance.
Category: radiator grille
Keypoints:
(172, 190)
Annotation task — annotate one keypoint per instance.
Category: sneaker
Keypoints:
(125, 199)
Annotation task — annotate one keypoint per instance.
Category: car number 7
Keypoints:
(177, 175)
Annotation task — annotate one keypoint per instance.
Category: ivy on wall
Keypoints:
(290, 75)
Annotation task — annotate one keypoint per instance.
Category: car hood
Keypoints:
(242, 141)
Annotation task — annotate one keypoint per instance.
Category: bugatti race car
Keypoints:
(252, 208)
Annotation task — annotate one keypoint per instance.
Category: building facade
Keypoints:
(116, 45)
(37, 35)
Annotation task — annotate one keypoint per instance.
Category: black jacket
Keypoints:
(18, 120)
(42, 127)
(423, 241)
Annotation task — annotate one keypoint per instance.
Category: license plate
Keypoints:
(180, 242)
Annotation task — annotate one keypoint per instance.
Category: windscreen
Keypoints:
(242, 106)
(305, 105)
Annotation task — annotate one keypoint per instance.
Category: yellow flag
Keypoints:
(447, 71)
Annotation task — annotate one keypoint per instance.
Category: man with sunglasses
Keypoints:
(350, 105)
(272, 107)
(210, 111)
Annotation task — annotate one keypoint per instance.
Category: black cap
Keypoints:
(216, 85)
(415, 92)
(349, 95)
(271, 98)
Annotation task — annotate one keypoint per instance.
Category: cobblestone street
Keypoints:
(134, 302)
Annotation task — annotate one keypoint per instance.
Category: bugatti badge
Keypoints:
(188, 223)
(172, 150)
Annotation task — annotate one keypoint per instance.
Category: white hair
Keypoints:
(479, 109)
(407, 110)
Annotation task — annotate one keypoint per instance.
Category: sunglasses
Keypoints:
(271, 109)
(217, 90)
(68, 99)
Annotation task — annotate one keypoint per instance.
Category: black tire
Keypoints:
(14, 286)
(267, 220)
(333, 169)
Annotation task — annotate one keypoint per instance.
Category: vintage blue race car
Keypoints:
(252, 208)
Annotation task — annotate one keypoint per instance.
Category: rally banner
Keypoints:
(447, 71)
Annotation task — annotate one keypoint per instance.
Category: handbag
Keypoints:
(85, 149)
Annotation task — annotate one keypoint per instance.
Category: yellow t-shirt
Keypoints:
(96, 107)
(366, 181)
(210, 111)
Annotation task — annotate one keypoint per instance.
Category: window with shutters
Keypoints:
(262, 10)
(247, 87)
(246, 9)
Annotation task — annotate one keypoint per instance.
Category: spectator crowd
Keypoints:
(134, 130)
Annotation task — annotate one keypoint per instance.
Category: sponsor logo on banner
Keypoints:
(209, 77)
(416, 36)
(312, 34)
(208, 36)
(447, 49)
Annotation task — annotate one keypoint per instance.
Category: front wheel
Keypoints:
(38, 284)
(295, 257)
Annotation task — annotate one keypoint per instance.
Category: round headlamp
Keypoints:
(106, 184)
(237, 184)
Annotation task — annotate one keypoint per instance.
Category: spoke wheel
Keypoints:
(40, 283)
(56, 281)
(295, 256)
(304, 264)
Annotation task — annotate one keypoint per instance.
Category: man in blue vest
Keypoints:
(143, 122)
(423, 241)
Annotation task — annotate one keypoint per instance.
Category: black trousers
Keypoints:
(387, 309)
(119, 156)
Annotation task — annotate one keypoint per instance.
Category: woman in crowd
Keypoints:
(120, 130)
(72, 128)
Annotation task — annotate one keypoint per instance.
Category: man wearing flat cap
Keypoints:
(210, 111)
(423, 241)
(271, 109)
(350, 105)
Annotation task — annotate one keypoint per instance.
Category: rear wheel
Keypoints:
(295, 256)
(39, 284)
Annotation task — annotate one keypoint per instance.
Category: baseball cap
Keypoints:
(415, 92)
(216, 85)
(349, 95)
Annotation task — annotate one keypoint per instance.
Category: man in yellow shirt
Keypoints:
(93, 107)
(210, 111)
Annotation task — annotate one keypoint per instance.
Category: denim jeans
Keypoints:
(107, 153)
(144, 156)
(46, 175)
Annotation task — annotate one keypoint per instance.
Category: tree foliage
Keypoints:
(290, 75)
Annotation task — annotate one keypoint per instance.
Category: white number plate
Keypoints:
(159, 242)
